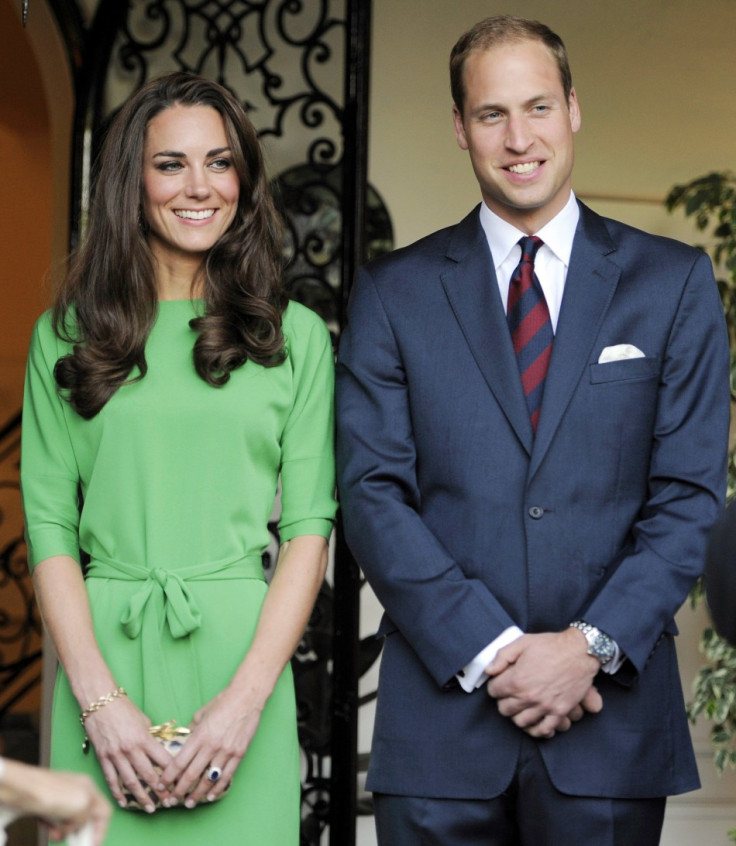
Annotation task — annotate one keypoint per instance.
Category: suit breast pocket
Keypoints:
(620, 406)
(625, 370)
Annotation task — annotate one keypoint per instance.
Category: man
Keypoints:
(530, 524)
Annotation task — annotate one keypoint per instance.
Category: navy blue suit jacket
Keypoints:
(465, 524)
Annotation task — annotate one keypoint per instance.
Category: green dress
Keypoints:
(178, 481)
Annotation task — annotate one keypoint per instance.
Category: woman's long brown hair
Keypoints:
(108, 302)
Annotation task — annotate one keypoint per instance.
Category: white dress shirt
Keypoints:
(551, 262)
(550, 265)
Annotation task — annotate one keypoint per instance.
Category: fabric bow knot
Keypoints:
(182, 614)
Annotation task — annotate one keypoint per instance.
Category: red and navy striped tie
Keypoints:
(530, 326)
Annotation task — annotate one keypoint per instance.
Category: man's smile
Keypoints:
(527, 167)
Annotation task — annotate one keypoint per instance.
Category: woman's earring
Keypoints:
(142, 225)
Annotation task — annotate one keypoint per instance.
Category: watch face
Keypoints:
(603, 648)
(600, 645)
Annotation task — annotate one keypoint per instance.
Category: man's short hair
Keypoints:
(504, 29)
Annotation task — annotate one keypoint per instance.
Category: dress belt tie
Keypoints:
(181, 611)
(165, 601)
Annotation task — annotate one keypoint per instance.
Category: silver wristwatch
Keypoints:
(600, 644)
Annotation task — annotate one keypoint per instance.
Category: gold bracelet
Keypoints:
(95, 706)
(100, 703)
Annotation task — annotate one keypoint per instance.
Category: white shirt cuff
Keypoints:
(614, 665)
(473, 674)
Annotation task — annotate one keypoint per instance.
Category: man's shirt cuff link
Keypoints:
(473, 675)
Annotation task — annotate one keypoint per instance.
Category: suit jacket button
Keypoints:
(536, 512)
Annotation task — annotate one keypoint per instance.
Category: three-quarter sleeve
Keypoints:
(49, 474)
(307, 457)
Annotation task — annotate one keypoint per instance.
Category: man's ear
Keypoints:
(457, 119)
(573, 108)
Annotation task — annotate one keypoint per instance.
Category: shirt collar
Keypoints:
(558, 234)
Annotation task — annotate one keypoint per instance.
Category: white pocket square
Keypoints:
(618, 352)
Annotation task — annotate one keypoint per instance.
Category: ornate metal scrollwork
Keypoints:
(20, 626)
(277, 56)
(310, 200)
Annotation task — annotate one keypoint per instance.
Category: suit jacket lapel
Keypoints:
(589, 288)
(470, 285)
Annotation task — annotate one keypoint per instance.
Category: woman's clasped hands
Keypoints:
(138, 767)
(222, 730)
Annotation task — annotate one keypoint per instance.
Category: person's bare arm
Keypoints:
(64, 801)
(119, 730)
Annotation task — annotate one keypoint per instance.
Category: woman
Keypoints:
(168, 391)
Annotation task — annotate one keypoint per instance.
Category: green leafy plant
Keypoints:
(711, 201)
(714, 696)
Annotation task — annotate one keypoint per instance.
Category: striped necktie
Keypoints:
(530, 326)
